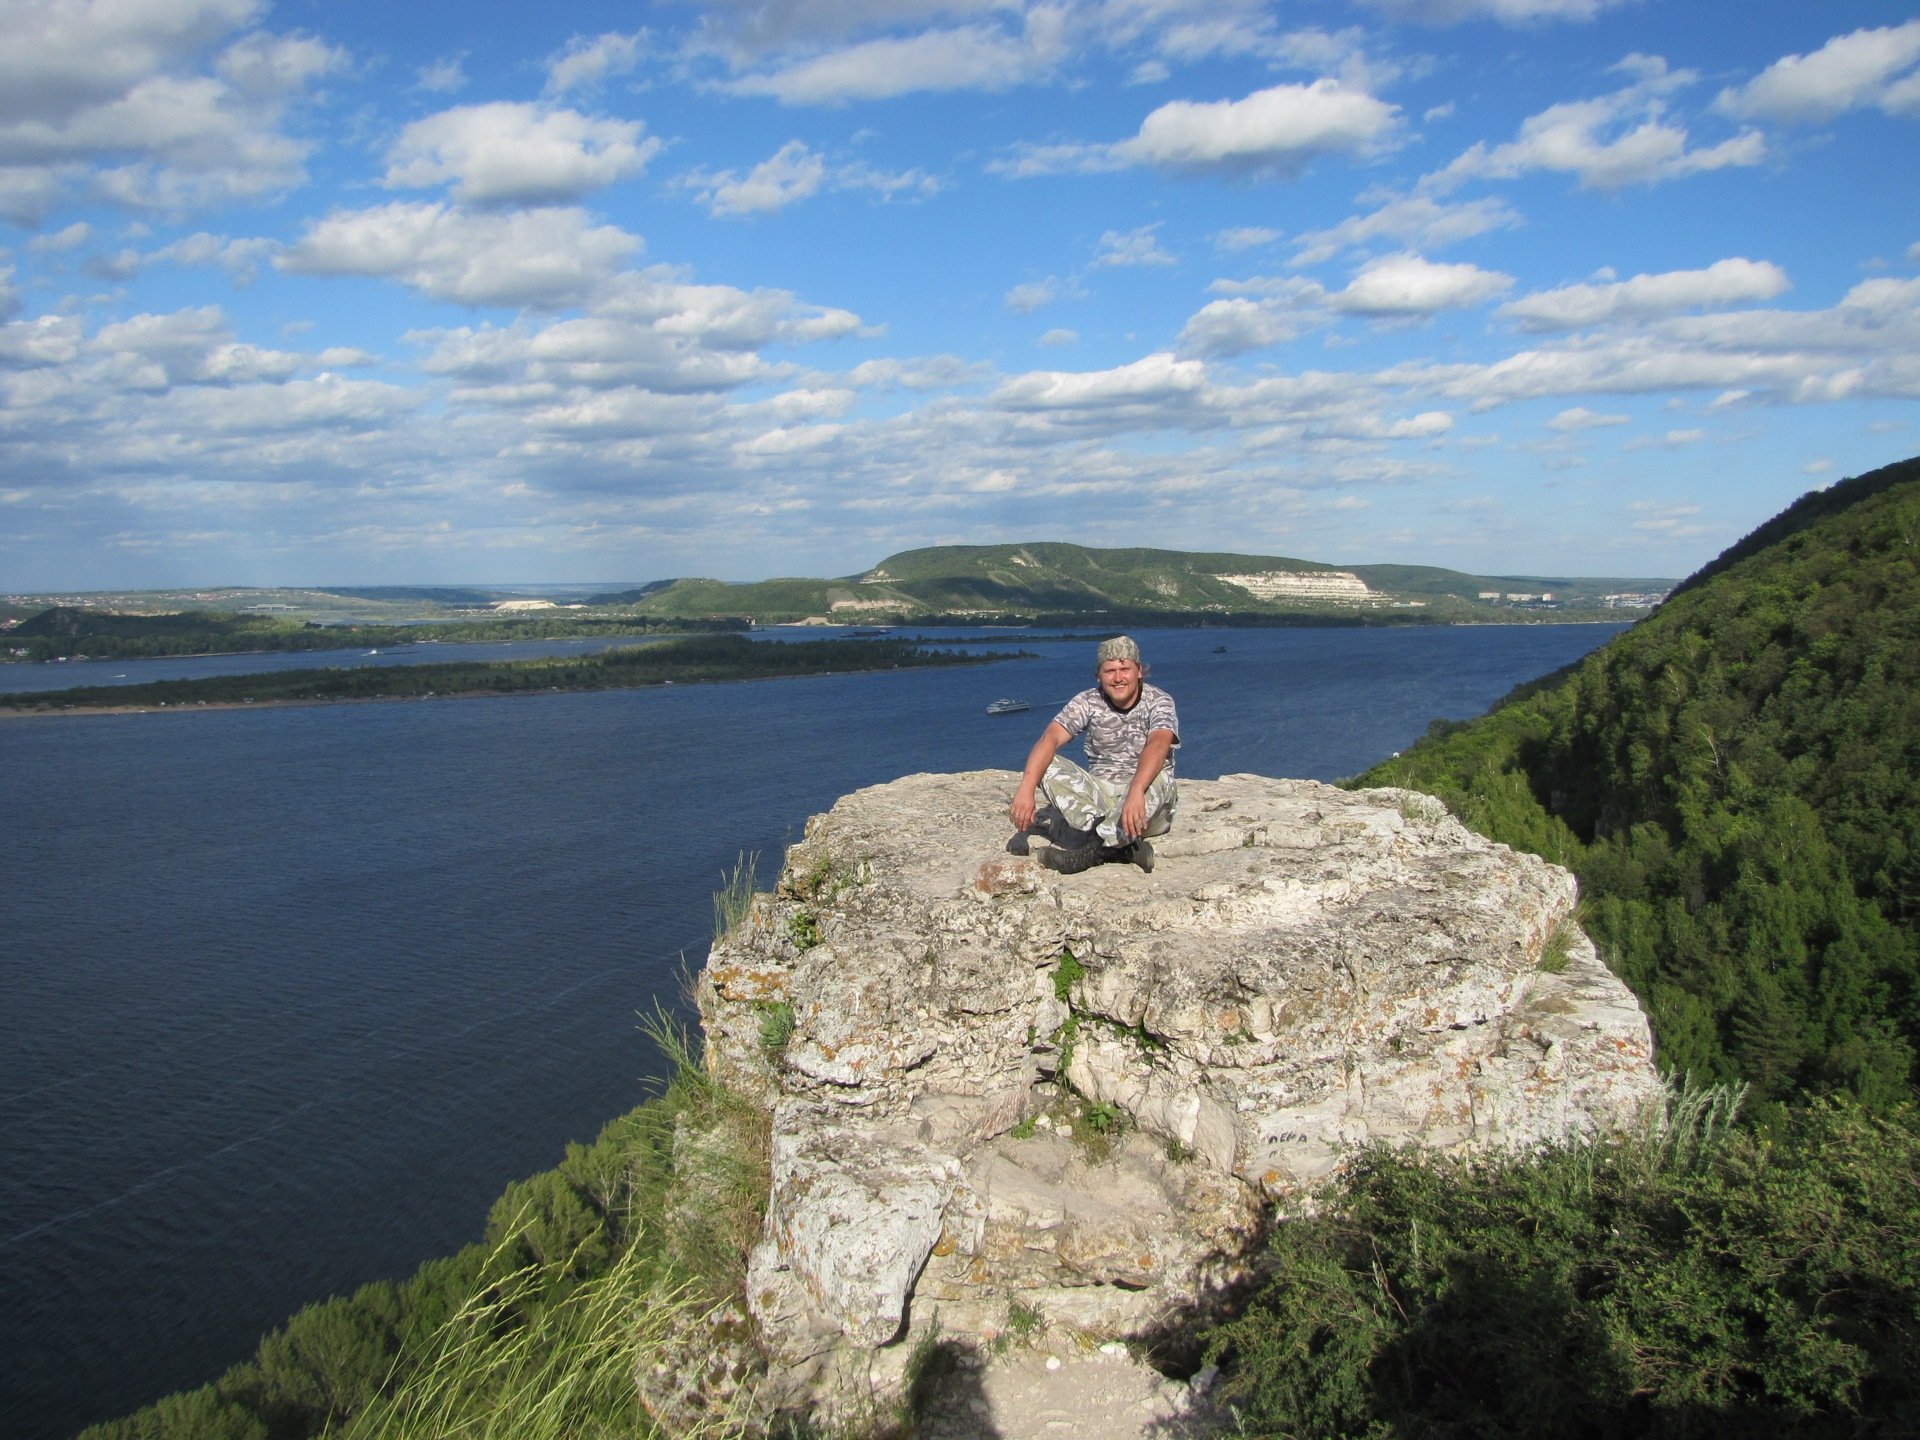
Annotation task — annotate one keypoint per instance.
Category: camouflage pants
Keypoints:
(1088, 806)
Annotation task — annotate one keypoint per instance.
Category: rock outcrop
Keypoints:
(996, 1090)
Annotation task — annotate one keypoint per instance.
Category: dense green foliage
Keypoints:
(664, 662)
(1736, 782)
(1739, 1284)
(576, 1263)
(64, 632)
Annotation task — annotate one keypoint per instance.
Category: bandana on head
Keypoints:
(1120, 647)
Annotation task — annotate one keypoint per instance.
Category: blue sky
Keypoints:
(303, 293)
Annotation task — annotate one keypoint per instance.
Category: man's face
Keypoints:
(1120, 681)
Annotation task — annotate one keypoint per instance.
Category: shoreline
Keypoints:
(8, 712)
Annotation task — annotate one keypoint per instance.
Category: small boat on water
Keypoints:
(1008, 707)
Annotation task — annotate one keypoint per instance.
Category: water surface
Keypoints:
(292, 993)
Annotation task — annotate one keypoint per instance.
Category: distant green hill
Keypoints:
(1736, 780)
(1051, 582)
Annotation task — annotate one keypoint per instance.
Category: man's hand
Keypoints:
(1153, 759)
(1022, 810)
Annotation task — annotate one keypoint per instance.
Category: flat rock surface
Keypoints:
(1053, 1393)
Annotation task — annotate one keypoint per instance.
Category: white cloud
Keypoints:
(241, 259)
(1277, 131)
(792, 174)
(544, 257)
(1151, 381)
(972, 57)
(1610, 142)
(595, 353)
(1245, 237)
(1868, 345)
(887, 184)
(1424, 426)
(1224, 328)
(303, 410)
(1725, 282)
(27, 193)
(940, 372)
(512, 153)
(1672, 440)
(1506, 12)
(124, 91)
(1668, 518)
(187, 347)
(1058, 338)
(1414, 221)
(1849, 72)
(1408, 285)
(120, 265)
(746, 28)
(1132, 248)
(1026, 298)
(446, 76)
(65, 56)
(272, 67)
(588, 60)
(722, 316)
(70, 238)
(1580, 418)
(45, 340)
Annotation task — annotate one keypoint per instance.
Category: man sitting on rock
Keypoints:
(1131, 733)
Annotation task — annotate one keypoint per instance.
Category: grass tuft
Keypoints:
(734, 899)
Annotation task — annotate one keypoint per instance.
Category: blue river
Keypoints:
(292, 993)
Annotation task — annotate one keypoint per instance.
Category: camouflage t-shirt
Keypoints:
(1115, 738)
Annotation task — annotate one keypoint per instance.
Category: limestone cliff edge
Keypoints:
(994, 1086)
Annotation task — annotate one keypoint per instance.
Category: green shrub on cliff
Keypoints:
(1736, 781)
(1761, 1284)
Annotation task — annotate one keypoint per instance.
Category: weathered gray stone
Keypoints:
(1305, 970)
(853, 1212)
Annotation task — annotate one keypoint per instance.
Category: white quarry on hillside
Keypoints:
(1303, 585)
(1306, 970)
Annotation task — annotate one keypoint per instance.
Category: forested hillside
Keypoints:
(1736, 782)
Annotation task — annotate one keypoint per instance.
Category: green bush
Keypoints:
(1754, 1282)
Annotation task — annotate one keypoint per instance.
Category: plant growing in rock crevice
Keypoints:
(1066, 974)
(776, 1027)
(1554, 954)
(803, 928)
(733, 901)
